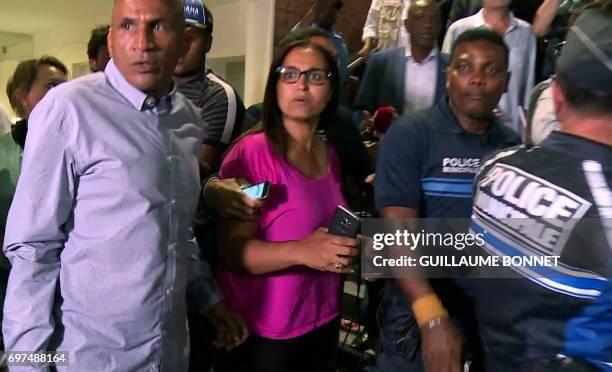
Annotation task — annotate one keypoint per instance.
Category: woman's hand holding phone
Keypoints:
(326, 252)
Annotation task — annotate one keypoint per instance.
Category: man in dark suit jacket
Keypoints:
(408, 80)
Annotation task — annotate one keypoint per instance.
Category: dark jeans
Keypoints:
(400, 336)
(562, 364)
(314, 351)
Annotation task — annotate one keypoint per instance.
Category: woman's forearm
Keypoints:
(544, 16)
(240, 251)
(256, 256)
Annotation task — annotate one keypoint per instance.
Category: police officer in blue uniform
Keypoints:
(426, 168)
(554, 317)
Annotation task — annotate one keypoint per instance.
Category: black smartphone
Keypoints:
(345, 223)
(258, 190)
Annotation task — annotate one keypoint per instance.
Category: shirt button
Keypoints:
(170, 157)
(154, 367)
(168, 291)
(173, 246)
(150, 102)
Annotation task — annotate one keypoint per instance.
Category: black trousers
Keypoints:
(202, 354)
(314, 351)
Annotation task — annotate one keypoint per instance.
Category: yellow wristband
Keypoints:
(428, 307)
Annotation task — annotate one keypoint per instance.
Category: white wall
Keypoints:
(243, 31)
(6, 71)
(68, 43)
(229, 33)
(17, 49)
(259, 48)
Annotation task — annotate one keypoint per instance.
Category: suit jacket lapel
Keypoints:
(398, 79)
(441, 77)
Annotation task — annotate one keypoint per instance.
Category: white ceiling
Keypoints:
(30, 16)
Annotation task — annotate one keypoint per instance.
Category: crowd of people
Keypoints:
(130, 245)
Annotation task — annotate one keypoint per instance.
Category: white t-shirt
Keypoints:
(385, 22)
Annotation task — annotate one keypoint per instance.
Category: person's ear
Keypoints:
(559, 100)
(109, 43)
(93, 64)
(208, 43)
(21, 97)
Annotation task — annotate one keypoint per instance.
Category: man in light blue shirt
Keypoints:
(98, 233)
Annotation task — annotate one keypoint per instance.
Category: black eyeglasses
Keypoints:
(291, 75)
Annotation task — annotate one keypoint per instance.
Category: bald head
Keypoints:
(174, 6)
(423, 23)
(179, 2)
(417, 7)
(418, 3)
(146, 40)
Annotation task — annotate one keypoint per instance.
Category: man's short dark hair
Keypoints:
(97, 40)
(303, 34)
(478, 34)
(582, 99)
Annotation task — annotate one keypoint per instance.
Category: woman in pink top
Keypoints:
(282, 272)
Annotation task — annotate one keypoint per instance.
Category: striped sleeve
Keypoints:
(222, 112)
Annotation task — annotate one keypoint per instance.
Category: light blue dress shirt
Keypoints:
(99, 230)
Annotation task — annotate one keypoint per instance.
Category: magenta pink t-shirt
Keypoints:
(291, 302)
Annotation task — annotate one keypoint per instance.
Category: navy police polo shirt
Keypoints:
(428, 162)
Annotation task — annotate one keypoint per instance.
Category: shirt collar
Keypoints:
(140, 100)
(579, 146)
(449, 121)
(480, 21)
(452, 125)
(431, 55)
